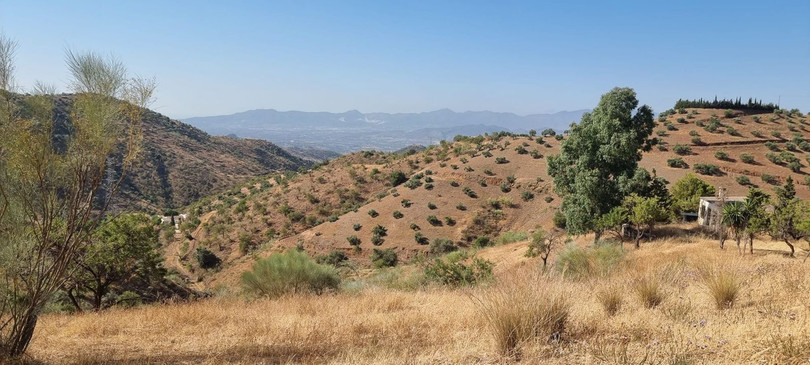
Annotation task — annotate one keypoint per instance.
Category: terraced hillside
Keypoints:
(489, 186)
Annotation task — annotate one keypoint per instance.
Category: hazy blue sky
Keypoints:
(410, 56)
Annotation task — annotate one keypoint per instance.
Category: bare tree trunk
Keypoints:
(20, 337)
(792, 249)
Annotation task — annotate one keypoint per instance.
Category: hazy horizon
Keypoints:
(515, 57)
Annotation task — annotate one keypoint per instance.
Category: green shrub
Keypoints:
(696, 141)
(732, 132)
(549, 199)
(406, 203)
(770, 179)
(747, 158)
(794, 166)
(380, 230)
(506, 188)
(526, 195)
(483, 183)
(501, 160)
(461, 206)
(431, 206)
(397, 214)
(682, 149)
(414, 227)
(289, 272)
(483, 241)
(420, 238)
(694, 133)
(559, 220)
(373, 213)
(377, 240)
(335, 258)
(728, 113)
(454, 184)
(449, 221)
(772, 146)
(397, 177)
(721, 155)
(489, 172)
(774, 158)
(676, 162)
(353, 240)
(706, 169)
(384, 258)
(582, 263)
(469, 192)
(357, 226)
(756, 133)
(776, 133)
(743, 180)
(458, 269)
(442, 246)
(206, 259)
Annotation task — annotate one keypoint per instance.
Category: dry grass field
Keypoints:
(766, 323)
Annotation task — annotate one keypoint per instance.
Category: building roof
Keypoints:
(728, 198)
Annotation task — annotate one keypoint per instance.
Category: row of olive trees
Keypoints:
(788, 221)
(55, 185)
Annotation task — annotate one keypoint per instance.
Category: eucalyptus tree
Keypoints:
(57, 178)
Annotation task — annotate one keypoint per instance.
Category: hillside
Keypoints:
(319, 210)
(179, 164)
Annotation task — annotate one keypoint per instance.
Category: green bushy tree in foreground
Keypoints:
(291, 272)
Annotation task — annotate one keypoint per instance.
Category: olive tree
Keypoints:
(601, 153)
(56, 179)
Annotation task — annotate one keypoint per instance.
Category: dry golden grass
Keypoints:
(767, 324)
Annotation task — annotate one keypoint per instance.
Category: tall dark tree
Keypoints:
(600, 154)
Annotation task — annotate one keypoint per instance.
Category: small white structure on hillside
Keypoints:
(710, 210)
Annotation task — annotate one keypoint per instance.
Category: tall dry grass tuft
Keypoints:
(610, 297)
(649, 290)
(523, 310)
(723, 285)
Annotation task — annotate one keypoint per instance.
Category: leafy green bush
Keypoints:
(483, 241)
(526, 195)
(380, 231)
(384, 258)
(373, 213)
(696, 141)
(458, 269)
(706, 169)
(676, 162)
(335, 258)
(431, 206)
(756, 133)
(772, 146)
(206, 259)
(721, 155)
(377, 240)
(397, 214)
(397, 177)
(506, 188)
(420, 238)
(770, 179)
(469, 192)
(501, 160)
(460, 206)
(682, 149)
(743, 180)
(353, 240)
(289, 272)
(433, 220)
(747, 158)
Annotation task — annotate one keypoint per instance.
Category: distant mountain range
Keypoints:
(353, 130)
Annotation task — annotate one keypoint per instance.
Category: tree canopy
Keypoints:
(600, 156)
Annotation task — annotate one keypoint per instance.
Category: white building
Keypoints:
(710, 210)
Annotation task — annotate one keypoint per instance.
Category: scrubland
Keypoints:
(678, 300)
